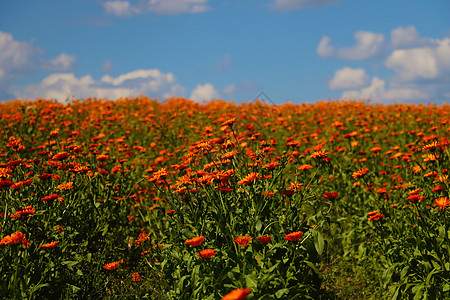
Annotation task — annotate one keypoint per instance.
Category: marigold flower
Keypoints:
(442, 202)
(360, 173)
(23, 212)
(136, 277)
(207, 253)
(243, 240)
(66, 186)
(14, 239)
(195, 241)
(5, 172)
(319, 154)
(249, 178)
(60, 155)
(170, 212)
(111, 266)
(375, 217)
(102, 157)
(229, 122)
(264, 239)
(49, 245)
(416, 198)
(331, 196)
(294, 236)
(238, 294)
(50, 197)
(304, 167)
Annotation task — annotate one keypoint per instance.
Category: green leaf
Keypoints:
(319, 242)
(258, 225)
(281, 292)
(250, 281)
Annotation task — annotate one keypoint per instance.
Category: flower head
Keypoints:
(264, 239)
(207, 253)
(238, 294)
(49, 245)
(442, 202)
(195, 241)
(360, 173)
(294, 236)
(243, 240)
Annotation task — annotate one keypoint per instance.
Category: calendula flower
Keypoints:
(331, 196)
(360, 173)
(170, 212)
(5, 172)
(60, 156)
(195, 241)
(264, 239)
(207, 253)
(14, 239)
(442, 202)
(136, 277)
(102, 157)
(294, 236)
(229, 122)
(111, 266)
(238, 294)
(23, 212)
(416, 198)
(319, 154)
(49, 245)
(243, 240)
(66, 186)
(375, 215)
(249, 178)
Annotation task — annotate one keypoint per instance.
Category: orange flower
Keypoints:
(5, 172)
(294, 236)
(49, 245)
(60, 156)
(319, 154)
(136, 277)
(111, 266)
(442, 202)
(304, 167)
(375, 216)
(243, 240)
(66, 186)
(102, 157)
(331, 196)
(50, 197)
(238, 294)
(264, 239)
(207, 253)
(229, 122)
(14, 239)
(195, 241)
(360, 173)
(23, 212)
(249, 178)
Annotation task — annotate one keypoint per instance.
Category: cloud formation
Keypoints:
(204, 92)
(64, 86)
(289, 5)
(348, 78)
(163, 7)
(421, 66)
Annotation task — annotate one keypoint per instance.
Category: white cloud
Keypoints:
(288, 5)
(406, 37)
(325, 49)
(368, 44)
(17, 59)
(62, 86)
(63, 62)
(421, 63)
(377, 92)
(413, 63)
(163, 7)
(348, 78)
(120, 8)
(204, 92)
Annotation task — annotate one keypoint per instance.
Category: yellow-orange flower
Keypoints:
(243, 240)
(238, 294)
(66, 186)
(360, 173)
(442, 202)
(195, 241)
(49, 245)
(294, 236)
(14, 239)
(207, 253)
(249, 178)
(111, 266)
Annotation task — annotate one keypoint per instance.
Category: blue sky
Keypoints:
(292, 50)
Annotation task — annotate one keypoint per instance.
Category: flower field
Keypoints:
(146, 199)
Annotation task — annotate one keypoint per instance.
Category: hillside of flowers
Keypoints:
(147, 199)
